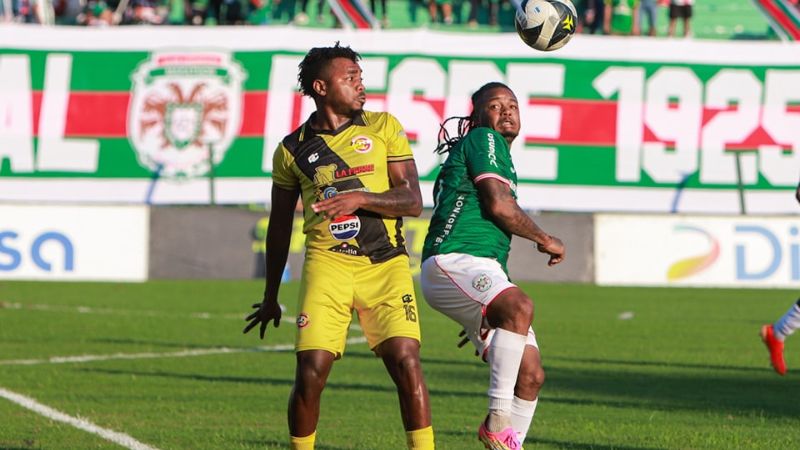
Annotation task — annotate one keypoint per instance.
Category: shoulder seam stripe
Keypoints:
(484, 176)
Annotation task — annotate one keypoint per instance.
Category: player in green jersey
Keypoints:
(464, 272)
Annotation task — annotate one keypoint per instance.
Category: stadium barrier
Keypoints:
(203, 242)
(192, 115)
(697, 251)
(74, 242)
(137, 243)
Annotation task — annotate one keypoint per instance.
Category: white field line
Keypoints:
(132, 312)
(121, 312)
(149, 355)
(83, 424)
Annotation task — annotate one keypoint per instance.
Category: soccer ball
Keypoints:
(546, 24)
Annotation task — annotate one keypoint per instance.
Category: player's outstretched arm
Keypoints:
(497, 200)
(402, 199)
(279, 235)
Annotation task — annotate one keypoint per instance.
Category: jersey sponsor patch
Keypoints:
(492, 149)
(302, 320)
(324, 175)
(329, 192)
(361, 144)
(351, 172)
(347, 249)
(482, 282)
(344, 228)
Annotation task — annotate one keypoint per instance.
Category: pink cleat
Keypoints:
(504, 440)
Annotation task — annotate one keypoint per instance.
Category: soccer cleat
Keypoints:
(504, 440)
(775, 348)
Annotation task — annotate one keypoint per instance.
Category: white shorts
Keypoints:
(461, 286)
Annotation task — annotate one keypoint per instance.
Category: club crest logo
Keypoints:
(361, 144)
(302, 320)
(185, 110)
(482, 282)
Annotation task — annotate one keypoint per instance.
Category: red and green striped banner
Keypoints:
(614, 124)
(783, 16)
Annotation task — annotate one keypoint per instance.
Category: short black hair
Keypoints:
(316, 60)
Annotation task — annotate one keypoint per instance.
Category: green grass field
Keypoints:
(686, 371)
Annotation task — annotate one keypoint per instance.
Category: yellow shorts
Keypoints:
(331, 287)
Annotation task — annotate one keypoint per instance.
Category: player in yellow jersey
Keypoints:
(357, 177)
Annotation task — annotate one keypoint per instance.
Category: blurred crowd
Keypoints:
(616, 17)
(242, 12)
(633, 17)
(131, 12)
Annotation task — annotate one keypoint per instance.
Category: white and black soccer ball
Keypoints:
(546, 24)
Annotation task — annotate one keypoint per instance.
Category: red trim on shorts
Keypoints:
(453, 280)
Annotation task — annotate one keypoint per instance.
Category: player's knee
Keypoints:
(537, 379)
(530, 382)
(522, 314)
(406, 369)
(525, 310)
(513, 312)
(310, 379)
(405, 361)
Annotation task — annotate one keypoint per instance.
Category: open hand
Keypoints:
(266, 311)
(339, 205)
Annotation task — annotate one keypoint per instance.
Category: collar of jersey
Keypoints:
(359, 120)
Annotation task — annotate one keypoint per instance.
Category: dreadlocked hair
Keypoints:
(465, 123)
(315, 62)
(446, 142)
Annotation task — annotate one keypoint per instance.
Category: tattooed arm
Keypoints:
(402, 199)
(498, 202)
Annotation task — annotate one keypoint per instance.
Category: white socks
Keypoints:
(522, 415)
(786, 324)
(505, 357)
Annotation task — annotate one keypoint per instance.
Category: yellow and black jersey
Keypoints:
(354, 157)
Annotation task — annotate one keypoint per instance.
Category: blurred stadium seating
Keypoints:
(713, 19)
